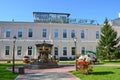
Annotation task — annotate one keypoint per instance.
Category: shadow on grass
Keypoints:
(118, 68)
(102, 73)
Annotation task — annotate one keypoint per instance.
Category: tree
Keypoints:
(108, 43)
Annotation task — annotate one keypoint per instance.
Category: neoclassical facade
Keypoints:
(60, 35)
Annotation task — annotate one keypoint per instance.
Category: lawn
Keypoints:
(102, 62)
(100, 73)
(5, 74)
(112, 61)
(66, 62)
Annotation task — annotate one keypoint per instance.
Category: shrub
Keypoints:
(84, 67)
(8, 61)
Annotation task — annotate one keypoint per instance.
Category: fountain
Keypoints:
(45, 59)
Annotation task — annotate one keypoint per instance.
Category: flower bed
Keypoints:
(26, 59)
(84, 66)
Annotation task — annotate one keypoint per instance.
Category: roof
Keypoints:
(51, 13)
(116, 22)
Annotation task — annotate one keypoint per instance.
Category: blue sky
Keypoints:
(21, 10)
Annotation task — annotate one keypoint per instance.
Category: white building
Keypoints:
(59, 34)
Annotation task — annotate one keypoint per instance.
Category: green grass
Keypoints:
(100, 73)
(112, 61)
(101, 62)
(66, 62)
(5, 74)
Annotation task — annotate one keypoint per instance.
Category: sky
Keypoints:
(22, 10)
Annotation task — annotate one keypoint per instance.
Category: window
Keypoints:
(82, 34)
(64, 50)
(63, 18)
(73, 50)
(19, 33)
(8, 32)
(44, 33)
(30, 33)
(19, 49)
(97, 34)
(7, 50)
(30, 50)
(56, 50)
(64, 33)
(83, 50)
(72, 33)
(56, 33)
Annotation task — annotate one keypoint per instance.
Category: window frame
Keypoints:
(7, 50)
(97, 34)
(56, 51)
(30, 50)
(20, 32)
(64, 33)
(30, 32)
(82, 34)
(56, 33)
(72, 33)
(83, 50)
(44, 33)
(19, 48)
(72, 51)
(64, 51)
(8, 33)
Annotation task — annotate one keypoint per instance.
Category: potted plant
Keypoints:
(84, 66)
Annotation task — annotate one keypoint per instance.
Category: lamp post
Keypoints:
(14, 40)
(75, 40)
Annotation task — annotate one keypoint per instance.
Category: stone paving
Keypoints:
(60, 73)
(48, 75)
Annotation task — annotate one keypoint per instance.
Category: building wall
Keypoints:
(89, 42)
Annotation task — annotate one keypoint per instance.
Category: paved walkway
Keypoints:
(61, 73)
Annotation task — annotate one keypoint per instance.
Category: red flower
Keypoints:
(84, 66)
(83, 62)
(26, 61)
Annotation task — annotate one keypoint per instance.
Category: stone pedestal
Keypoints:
(44, 60)
(38, 65)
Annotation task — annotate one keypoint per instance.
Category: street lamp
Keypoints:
(75, 40)
(14, 40)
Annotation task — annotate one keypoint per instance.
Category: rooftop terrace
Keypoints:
(68, 21)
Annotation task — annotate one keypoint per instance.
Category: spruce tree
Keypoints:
(108, 43)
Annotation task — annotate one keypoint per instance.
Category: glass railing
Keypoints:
(67, 21)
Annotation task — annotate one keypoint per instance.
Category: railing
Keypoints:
(67, 21)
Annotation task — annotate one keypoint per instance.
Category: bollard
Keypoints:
(21, 70)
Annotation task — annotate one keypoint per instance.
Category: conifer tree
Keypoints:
(108, 43)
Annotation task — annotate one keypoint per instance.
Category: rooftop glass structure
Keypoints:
(50, 17)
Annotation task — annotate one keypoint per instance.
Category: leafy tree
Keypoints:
(108, 43)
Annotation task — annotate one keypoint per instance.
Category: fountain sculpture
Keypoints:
(45, 60)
